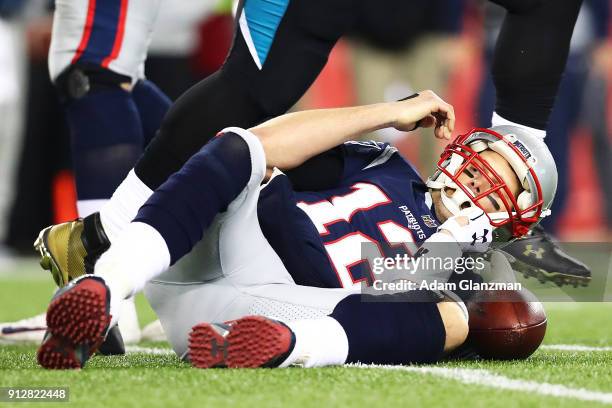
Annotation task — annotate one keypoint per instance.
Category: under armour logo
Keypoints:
(537, 253)
(482, 238)
(218, 348)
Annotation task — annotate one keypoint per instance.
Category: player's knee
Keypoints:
(455, 324)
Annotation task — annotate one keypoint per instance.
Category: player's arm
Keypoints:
(289, 140)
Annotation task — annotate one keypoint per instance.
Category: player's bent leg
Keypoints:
(393, 329)
(182, 301)
(259, 341)
(176, 216)
(183, 208)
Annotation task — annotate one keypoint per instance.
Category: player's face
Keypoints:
(478, 183)
(474, 180)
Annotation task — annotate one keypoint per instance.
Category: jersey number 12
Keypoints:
(357, 247)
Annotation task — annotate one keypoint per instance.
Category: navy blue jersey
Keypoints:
(379, 201)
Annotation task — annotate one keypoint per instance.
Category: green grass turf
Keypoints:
(162, 380)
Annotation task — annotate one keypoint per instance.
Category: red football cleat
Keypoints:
(77, 321)
(253, 341)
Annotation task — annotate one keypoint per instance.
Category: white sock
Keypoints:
(497, 120)
(128, 324)
(318, 343)
(137, 256)
(124, 205)
(88, 207)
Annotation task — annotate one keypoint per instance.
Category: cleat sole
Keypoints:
(207, 347)
(79, 314)
(55, 355)
(76, 319)
(252, 341)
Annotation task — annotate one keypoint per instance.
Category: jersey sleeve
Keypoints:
(321, 172)
(328, 169)
(359, 156)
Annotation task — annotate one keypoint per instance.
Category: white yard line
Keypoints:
(573, 347)
(473, 376)
(489, 379)
(148, 350)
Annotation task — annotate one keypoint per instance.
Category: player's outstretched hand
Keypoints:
(425, 110)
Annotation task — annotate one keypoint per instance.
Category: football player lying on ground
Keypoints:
(370, 193)
(527, 68)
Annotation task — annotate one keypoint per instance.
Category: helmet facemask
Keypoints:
(464, 156)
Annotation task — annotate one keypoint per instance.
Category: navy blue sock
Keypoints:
(152, 106)
(183, 207)
(391, 329)
(106, 135)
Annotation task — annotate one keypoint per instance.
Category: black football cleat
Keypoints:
(249, 342)
(77, 321)
(113, 344)
(538, 256)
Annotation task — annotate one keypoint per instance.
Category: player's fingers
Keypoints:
(449, 119)
(441, 131)
(427, 122)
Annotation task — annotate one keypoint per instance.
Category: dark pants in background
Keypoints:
(44, 154)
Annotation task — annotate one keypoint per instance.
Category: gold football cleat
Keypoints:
(69, 250)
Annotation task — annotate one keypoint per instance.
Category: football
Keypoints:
(505, 325)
